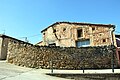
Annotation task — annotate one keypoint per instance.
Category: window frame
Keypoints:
(83, 43)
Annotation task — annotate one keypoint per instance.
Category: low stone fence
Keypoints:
(28, 55)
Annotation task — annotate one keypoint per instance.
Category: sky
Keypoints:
(27, 18)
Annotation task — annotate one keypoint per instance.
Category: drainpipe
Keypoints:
(112, 53)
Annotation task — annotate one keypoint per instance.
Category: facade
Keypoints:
(71, 34)
(3, 47)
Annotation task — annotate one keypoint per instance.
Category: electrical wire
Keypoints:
(30, 36)
(26, 37)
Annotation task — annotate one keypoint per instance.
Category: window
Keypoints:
(79, 33)
(53, 44)
(44, 33)
(54, 30)
(104, 40)
(83, 43)
(93, 28)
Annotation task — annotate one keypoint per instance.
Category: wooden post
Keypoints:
(83, 70)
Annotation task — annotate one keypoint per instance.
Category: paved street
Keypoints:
(13, 72)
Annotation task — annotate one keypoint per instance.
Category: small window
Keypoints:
(93, 28)
(53, 44)
(43, 33)
(79, 33)
(54, 30)
(104, 40)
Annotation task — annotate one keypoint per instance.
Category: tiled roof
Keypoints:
(5, 36)
(78, 23)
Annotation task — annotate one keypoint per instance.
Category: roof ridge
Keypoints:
(79, 23)
(6, 36)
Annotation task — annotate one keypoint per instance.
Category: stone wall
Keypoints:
(28, 55)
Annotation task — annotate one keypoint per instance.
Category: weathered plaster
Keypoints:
(65, 35)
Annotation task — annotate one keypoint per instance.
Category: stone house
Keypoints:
(4, 41)
(72, 34)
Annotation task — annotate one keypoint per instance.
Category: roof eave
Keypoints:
(110, 25)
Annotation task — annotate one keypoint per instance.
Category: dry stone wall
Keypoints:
(28, 55)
